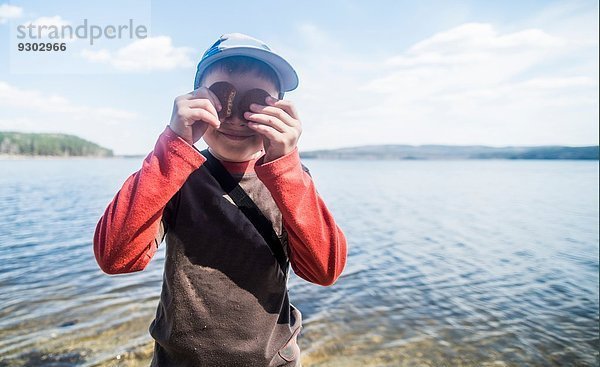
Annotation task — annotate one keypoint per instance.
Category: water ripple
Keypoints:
(472, 263)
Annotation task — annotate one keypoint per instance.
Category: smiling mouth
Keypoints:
(235, 137)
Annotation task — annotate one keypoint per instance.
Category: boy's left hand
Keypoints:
(279, 125)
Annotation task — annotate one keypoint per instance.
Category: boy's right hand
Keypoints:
(193, 112)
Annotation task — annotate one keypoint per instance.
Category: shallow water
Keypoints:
(451, 263)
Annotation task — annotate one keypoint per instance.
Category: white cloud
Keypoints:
(466, 57)
(14, 97)
(35, 111)
(9, 12)
(152, 53)
(482, 37)
(472, 84)
(575, 19)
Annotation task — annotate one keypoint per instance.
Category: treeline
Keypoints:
(46, 144)
(590, 152)
(376, 152)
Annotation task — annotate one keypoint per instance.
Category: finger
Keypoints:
(285, 105)
(215, 100)
(266, 131)
(200, 93)
(274, 111)
(188, 95)
(204, 104)
(268, 120)
(204, 116)
(203, 92)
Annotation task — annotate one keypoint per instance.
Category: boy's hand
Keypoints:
(193, 112)
(279, 125)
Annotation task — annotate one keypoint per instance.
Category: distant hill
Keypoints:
(45, 144)
(455, 152)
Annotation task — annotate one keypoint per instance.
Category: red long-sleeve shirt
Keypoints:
(125, 239)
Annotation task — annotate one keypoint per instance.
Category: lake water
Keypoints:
(451, 263)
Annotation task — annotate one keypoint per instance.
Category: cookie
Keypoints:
(226, 94)
(257, 96)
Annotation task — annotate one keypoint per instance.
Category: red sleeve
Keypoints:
(317, 245)
(124, 237)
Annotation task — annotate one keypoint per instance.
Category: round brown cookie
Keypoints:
(256, 95)
(226, 94)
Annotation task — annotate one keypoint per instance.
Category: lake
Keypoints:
(450, 263)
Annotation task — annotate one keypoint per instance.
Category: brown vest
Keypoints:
(224, 300)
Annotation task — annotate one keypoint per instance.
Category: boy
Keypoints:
(224, 300)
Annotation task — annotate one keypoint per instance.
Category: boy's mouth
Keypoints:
(234, 136)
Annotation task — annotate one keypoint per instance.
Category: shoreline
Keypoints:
(19, 157)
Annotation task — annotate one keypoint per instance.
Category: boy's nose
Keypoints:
(235, 120)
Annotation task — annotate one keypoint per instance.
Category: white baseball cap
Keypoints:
(239, 44)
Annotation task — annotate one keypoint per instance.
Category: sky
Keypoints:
(496, 73)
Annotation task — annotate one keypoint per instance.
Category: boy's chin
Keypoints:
(237, 151)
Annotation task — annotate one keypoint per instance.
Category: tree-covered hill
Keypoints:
(455, 152)
(47, 144)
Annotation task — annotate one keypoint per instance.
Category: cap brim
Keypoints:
(285, 72)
